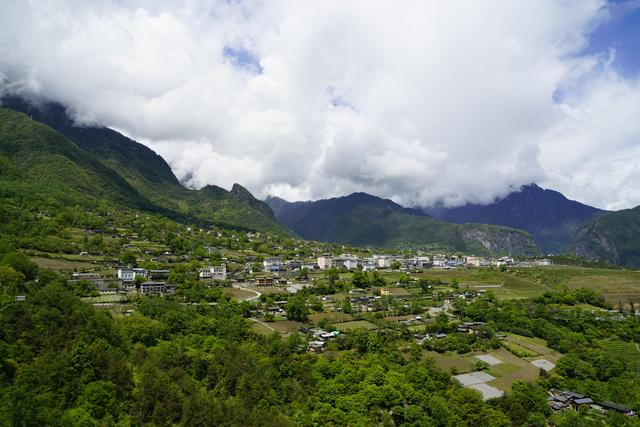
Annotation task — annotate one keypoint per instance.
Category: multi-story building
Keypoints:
(325, 262)
(272, 264)
(218, 272)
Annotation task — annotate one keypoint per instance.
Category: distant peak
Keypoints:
(239, 189)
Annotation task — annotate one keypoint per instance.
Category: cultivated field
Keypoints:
(330, 316)
(282, 326)
(356, 324)
(63, 264)
(447, 361)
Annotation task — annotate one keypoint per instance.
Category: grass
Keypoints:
(330, 316)
(62, 264)
(356, 324)
(447, 361)
(282, 326)
(239, 294)
(625, 352)
(522, 345)
(517, 349)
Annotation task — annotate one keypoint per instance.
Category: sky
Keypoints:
(423, 102)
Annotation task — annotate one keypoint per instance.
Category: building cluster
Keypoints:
(319, 338)
(151, 281)
(399, 262)
(561, 400)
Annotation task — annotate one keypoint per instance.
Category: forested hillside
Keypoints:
(143, 179)
(614, 237)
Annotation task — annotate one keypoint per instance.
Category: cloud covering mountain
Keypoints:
(416, 101)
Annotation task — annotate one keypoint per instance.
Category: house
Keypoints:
(218, 272)
(158, 274)
(272, 265)
(369, 264)
(618, 408)
(325, 262)
(316, 346)
(126, 274)
(384, 261)
(156, 288)
(265, 281)
(294, 265)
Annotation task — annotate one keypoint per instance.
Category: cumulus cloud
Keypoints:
(417, 101)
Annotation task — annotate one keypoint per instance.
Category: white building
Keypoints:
(369, 264)
(271, 264)
(325, 262)
(384, 262)
(214, 273)
(439, 260)
(126, 275)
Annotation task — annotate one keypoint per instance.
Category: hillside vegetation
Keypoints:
(614, 237)
(100, 164)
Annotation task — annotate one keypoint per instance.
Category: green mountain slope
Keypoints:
(149, 175)
(36, 161)
(614, 237)
(362, 219)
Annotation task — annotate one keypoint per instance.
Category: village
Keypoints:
(330, 300)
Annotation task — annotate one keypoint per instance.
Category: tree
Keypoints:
(129, 258)
(346, 307)
(296, 309)
(360, 279)
(21, 263)
(10, 279)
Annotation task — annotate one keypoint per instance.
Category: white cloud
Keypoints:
(418, 101)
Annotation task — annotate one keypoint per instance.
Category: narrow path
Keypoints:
(262, 323)
(257, 294)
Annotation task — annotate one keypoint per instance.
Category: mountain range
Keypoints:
(547, 215)
(363, 219)
(46, 158)
(42, 152)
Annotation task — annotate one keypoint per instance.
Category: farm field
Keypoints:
(62, 264)
(625, 352)
(330, 316)
(108, 298)
(535, 345)
(282, 326)
(356, 324)
(239, 294)
(447, 361)
(510, 370)
(615, 285)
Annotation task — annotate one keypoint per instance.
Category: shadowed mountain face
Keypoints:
(614, 237)
(547, 215)
(142, 177)
(363, 219)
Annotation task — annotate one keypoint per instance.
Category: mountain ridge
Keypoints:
(148, 176)
(550, 217)
(364, 219)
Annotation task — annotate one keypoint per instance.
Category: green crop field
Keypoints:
(356, 324)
